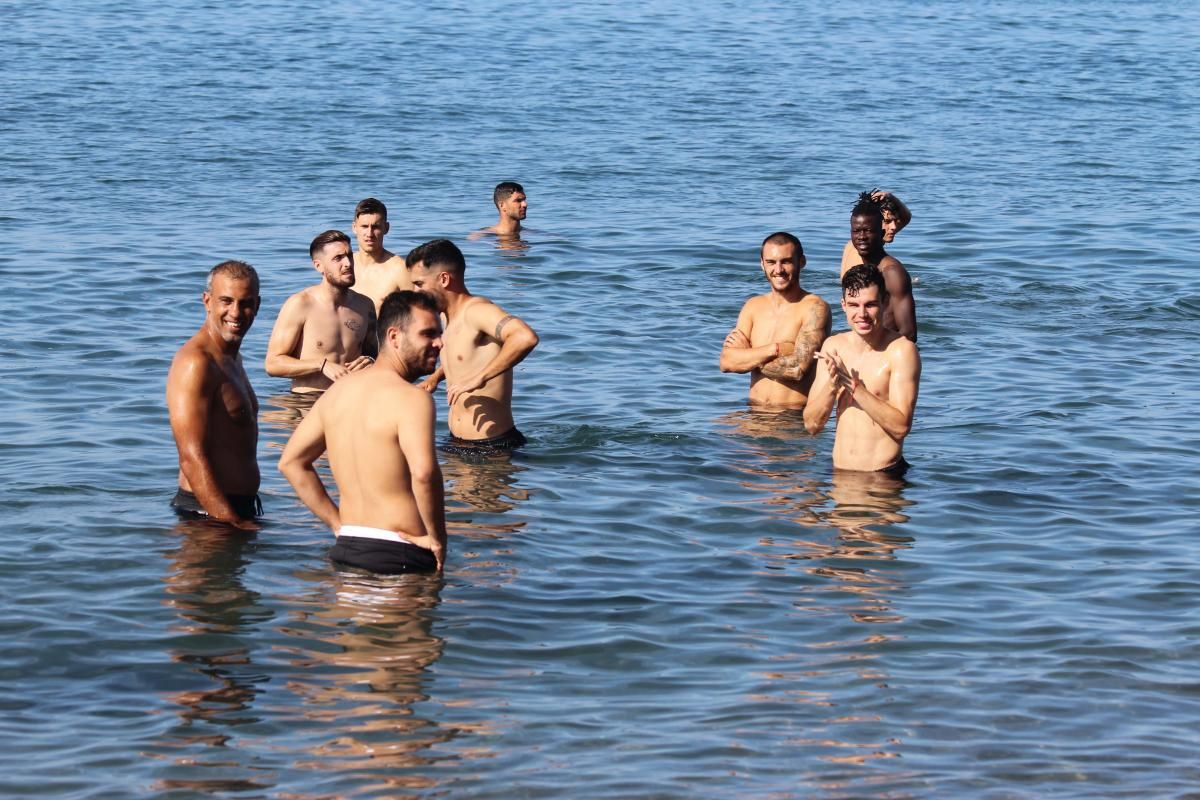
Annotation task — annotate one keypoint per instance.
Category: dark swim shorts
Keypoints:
(188, 507)
(505, 441)
(381, 556)
(896, 469)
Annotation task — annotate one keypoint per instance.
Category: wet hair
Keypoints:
(866, 207)
(370, 206)
(782, 237)
(396, 311)
(328, 237)
(235, 270)
(858, 278)
(506, 190)
(888, 205)
(437, 253)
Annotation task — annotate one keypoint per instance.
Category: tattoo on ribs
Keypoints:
(500, 325)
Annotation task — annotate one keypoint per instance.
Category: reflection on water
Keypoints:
(481, 490)
(846, 541)
(285, 411)
(359, 654)
(216, 612)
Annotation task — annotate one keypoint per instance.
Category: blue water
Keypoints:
(666, 595)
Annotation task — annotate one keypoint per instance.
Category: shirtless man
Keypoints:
(378, 271)
(325, 331)
(778, 333)
(895, 217)
(866, 234)
(482, 345)
(510, 202)
(213, 410)
(378, 430)
(871, 373)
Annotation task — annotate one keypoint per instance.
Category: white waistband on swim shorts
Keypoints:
(363, 532)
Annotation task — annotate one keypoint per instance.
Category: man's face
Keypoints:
(781, 265)
(864, 310)
(429, 280)
(866, 233)
(891, 226)
(514, 206)
(421, 342)
(336, 264)
(231, 305)
(369, 230)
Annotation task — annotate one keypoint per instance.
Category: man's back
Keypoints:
(369, 452)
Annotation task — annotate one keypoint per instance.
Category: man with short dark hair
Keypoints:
(871, 374)
(378, 430)
(482, 345)
(778, 333)
(378, 270)
(325, 331)
(212, 407)
(866, 235)
(511, 204)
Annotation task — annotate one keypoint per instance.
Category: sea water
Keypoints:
(665, 594)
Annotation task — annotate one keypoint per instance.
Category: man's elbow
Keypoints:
(529, 340)
(273, 368)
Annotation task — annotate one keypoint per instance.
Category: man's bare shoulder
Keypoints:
(902, 347)
(890, 262)
(757, 304)
(360, 302)
(813, 301)
(192, 362)
(834, 343)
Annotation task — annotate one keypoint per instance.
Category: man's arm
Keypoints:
(814, 329)
(894, 415)
(824, 392)
(415, 436)
(303, 449)
(738, 356)
(190, 389)
(430, 384)
(517, 340)
(285, 340)
(901, 306)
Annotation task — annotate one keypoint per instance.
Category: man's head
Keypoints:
(410, 327)
(509, 198)
(866, 227)
(435, 267)
(891, 218)
(330, 253)
(864, 298)
(782, 258)
(370, 225)
(231, 300)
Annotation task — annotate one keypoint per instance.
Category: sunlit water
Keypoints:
(665, 595)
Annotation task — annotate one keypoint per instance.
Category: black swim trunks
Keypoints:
(505, 441)
(188, 507)
(381, 556)
(896, 469)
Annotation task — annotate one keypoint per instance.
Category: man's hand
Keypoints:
(333, 371)
(454, 391)
(736, 339)
(845, 378)
(430, 384)
(431, 544)
(785, 348)
(362, 362)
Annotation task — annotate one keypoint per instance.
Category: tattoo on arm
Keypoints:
(500, 325)
(792, 367)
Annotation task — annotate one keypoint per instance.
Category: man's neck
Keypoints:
(455, 302)
(790, 294)
(217, 345)
(336, 294)
(374, 257)
(507, 226)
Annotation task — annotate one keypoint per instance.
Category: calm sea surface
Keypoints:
(666, 595)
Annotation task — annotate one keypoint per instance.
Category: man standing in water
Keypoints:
(871, 373)
(213, 410)
(378, 430)
(325, 331)
(778, 333)
(482, 345)
(896, 217)
(510, 202)
(866, 234)
(378, 271)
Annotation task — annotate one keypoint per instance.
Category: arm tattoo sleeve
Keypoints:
(791, 367)
(500, 325)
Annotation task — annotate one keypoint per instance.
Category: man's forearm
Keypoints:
(281, 366)
(745, 359)
(794, 366)
(895, 424)
(429, 493)
(203, 483)
(310, 490)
